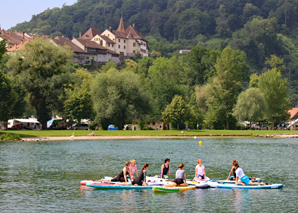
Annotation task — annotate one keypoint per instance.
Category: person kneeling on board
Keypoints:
(141, 179)
(180, 177)
(241, 178)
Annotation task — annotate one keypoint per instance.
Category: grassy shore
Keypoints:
(67, 133)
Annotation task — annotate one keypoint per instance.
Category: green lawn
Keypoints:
(48, 133)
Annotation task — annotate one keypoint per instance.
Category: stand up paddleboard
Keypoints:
(233, 181)
(234, 186)
(116, 186)
(172, 189)
(198, 184)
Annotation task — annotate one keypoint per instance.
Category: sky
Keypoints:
(13, 12)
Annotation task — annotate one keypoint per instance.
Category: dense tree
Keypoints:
(250, 106)
(176, 112)
(40, 67)
(79, 103)
(275, 93)
(231, 70)
(118, 97)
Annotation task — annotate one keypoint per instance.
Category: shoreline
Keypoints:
(63, 138)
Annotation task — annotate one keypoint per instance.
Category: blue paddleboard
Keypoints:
(118, 186)
(234, 186)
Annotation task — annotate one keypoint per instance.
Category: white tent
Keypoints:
(26, 122)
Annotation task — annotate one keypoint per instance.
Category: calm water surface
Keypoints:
(45, 176)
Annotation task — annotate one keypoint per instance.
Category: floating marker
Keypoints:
(200, 143)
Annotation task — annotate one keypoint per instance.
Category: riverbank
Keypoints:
(55, 135)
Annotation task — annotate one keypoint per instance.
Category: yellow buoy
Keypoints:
(200, 143)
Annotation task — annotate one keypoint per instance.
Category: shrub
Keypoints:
(9, 137)
(92, 125)
(148, 128)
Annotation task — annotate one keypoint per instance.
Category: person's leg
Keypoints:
(170, 185)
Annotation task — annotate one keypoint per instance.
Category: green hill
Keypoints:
(259, 27)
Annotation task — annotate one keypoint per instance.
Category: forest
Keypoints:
(259, 28)
(257, 39)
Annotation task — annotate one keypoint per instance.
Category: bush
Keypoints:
(148, 128)
(9, 137)
(92, 125)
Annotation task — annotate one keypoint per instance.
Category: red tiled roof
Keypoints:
(63, 41)
(90, 44)
(293, 112)
(91, 33)
(107, 39)
(121, 27)
(133, 32)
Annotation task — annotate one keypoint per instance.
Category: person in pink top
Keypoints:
(133, 168)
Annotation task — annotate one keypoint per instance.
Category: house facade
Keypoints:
(128, 41)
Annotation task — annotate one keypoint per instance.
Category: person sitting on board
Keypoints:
(243, 179)
(133, 168)
(233, 170)
(165, 169)
(200, 171)
(141, 180)
(180, 179)
(121, 177)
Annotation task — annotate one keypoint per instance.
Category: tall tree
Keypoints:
(79, 103)
(231, 70)
(118, 96)
(275, 93)
(176, 112)
(250, 106)
(40, 67)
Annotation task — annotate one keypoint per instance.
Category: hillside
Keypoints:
(260, 28)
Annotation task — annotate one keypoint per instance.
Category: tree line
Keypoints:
(211, 87)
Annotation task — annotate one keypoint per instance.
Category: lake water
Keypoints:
(45, 176)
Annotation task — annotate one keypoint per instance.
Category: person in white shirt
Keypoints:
(200, 171)
(241, 178)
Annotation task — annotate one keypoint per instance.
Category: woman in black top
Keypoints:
(141, 180)
(122, 176)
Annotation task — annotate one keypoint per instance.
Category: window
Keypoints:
(119, 46)
(119, 40)
(124, 41)
(124, 47)
(87, 57)
(134, 44)
(101, 43)
(112, 45)
(108, 44)
(134, 51)
(108, 35)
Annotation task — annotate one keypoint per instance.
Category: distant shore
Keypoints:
(145, 137)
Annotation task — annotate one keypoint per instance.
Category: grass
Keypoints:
(9, 137)
(65, 133)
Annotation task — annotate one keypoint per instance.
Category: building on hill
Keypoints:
(85, 49)
(128, 41)
(80, 56)
(91, 33)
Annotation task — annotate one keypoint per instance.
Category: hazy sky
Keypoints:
(13, 12)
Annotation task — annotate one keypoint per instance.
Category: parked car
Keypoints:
(80, 126)
(17, 126)
(111, 127)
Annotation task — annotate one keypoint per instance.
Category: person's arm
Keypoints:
(124, 174)
(204, 174)
(169, 172)
(137, 172)
(196, 172)
(230, 174)
(185, 177)
(161, 173)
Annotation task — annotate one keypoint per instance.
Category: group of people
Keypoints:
(200, 175)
